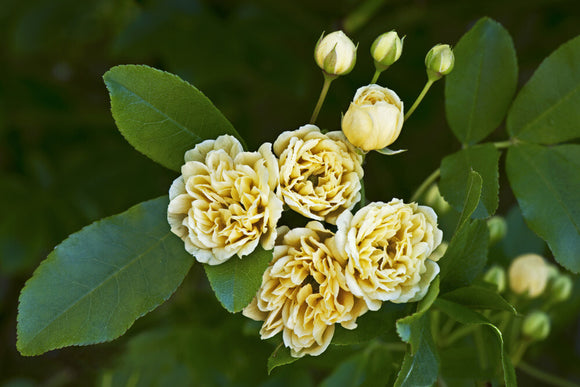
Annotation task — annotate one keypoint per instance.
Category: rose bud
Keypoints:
(536, 326)
(497, 227)
(374, 119)
(386, 50)
(496, 276)
(561, 288)
(335, 53)
(439, 61)
(528, 274)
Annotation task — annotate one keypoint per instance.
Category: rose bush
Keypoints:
(319, 173)
(224, 202)
(374, 118)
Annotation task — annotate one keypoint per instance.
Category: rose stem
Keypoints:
(428, 181)
(376, 76)
(419, 98)
(327, 80)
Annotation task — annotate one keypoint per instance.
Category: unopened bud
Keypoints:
(386, 50)
(528, 274)
(497, 227)
(434, 199)
(561, 288)
(536, 326)
(439, 61)
(496, 276)
(335, 53)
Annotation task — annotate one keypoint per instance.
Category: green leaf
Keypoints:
(546, 109)
(479, 90)
(281, 356)
(479, 297)
(546, 183)
(455, 171)
(471, 197)
(404, 325)
(420, 365)
(95, 284)
(160, 114)
(236, 281)
(466, 255)
(468, 316)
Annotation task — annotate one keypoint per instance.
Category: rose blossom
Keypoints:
(388, 246)
(374, 118)
(224, 201)
(304, 291)
(319, 173)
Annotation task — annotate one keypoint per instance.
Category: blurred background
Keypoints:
(63, 164)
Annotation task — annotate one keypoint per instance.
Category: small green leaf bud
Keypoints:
(386, 50)
(335, 53)
(434, 199)
(536, 326)
(497, 229)
(439, 61)
(561, 288)
(496, 276)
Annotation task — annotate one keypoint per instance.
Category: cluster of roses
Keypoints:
(227, 201)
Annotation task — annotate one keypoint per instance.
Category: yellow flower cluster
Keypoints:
(318, 278)
(228, 201)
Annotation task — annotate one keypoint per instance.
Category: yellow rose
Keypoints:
(374, 118)
(319, 173)
(387, 246)
(529, 274)
(224, 202)
(335, 53)
(304, 291)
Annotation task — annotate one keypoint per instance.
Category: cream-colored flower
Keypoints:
(374, 118)
(224, 202)
(529, 274)
(304, 291)
(319, 173)
(388, 246)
